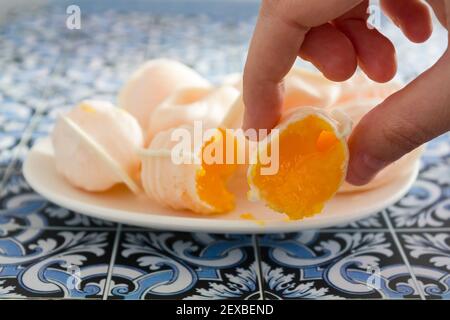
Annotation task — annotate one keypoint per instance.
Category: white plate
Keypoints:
(120, 205)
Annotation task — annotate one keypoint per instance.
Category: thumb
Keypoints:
(403, 122)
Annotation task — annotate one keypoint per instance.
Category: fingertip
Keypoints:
(354, 179)
(366, 158)
(384, 67)
(257, 121)
(376, 53)
(363, 166)
(412, 17)
(338, 69)
(329, 50)
(263, 102)
(340, 74)
(419, 32)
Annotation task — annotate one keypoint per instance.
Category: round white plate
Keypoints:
(120, 205)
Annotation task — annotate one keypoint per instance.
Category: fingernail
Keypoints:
(363, 168)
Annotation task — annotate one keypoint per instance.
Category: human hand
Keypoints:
(333, 35)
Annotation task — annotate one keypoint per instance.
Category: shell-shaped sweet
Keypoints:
(152, 83)
(167, 181)
(189, 168)
(95, 146)
(359, 95)
(312, 158)
(234, 80)
(356, 109)
(186, 105)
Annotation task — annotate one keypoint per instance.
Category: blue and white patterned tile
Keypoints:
(429, 255)
(14, 121)
(27, 71)
(436, 150)
(53, 264)
(172, 265)
(375, 221)
(3, 172)
(327, 265)
(427, 204)
(12, 110)
(20, 205)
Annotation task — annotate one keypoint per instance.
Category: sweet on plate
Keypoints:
(186, 105)
(187, 180)
(153, 82)
(95, 145)
(313, 159)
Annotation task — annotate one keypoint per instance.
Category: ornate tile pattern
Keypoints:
(429, 255)
(334, 265)
(158, 265)
(374, 221)
(48, 251)
(53, 263)
(22, 207)
(427, 204)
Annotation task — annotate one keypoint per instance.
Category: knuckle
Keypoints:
(269, 8)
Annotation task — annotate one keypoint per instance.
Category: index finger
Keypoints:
(278, 36)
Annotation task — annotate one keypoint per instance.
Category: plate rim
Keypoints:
(194, 224)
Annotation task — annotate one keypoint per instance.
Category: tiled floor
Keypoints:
(48, 251)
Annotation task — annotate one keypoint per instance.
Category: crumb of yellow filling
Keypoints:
(250, 216)
(211, 179)
(312, 167)
(247, 216)
(87, 108)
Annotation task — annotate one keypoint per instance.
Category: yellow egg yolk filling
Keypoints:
(212, 178)
(312, 164)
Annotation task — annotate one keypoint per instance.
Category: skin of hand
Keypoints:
(333, 35)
